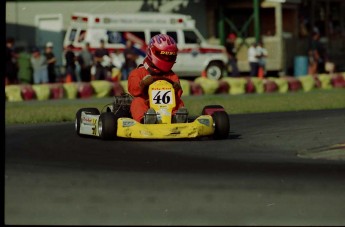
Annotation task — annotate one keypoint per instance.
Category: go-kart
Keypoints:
(114, 120)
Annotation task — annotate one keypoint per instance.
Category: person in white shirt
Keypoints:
(262, 56)
(253, 59)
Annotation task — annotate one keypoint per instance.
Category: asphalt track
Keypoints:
(268, 172)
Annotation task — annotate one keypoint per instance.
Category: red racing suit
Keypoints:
(140, 102)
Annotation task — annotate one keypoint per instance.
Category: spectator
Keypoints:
(24, 66)
(263, 54)
(253, 60)
(11, 63)
(39, 66)
(51, 60)
(117, 61)
(85, 60)
(100, 53)
(130, 55)
(70, 64)
(231, 52)
(317, 55)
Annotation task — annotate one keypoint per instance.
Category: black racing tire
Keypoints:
(215, 70)
(90, 110)
(107, 126)
(203, 112)
(221, 125)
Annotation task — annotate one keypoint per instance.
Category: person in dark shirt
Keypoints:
(70, 63)
(11, 65)
(130, 55)
(231, 52)
(317, 55)
(51, 60)
(85, 60)
(99, 57)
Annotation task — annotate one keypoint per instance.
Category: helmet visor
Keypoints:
(169, 56)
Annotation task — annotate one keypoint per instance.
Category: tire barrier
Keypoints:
(282, 84)
(237, 85)
(185, 87)
(208, 86)
(258, 83)
(308, 83)
(325, 81)
(56, 91)
(102, 88)
(85, 90)
(42, 92)
(70, 90)
(200, 86)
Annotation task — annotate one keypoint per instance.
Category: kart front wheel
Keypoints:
(221, 125)
(91, 111)
(107, 126)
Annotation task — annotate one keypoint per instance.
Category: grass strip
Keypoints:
(64, 110)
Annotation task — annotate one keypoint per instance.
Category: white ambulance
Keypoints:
(195, 57)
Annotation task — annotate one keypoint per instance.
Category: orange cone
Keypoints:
(261, 73)
(68, 78)
(203, 73)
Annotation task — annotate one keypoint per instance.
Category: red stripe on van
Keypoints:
(201, 50)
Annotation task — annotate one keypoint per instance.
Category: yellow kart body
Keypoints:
(129, 128)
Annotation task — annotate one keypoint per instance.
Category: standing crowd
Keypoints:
(35, 66)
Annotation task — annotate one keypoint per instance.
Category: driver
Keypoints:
(160, 57)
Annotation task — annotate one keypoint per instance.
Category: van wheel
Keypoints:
(214, 71)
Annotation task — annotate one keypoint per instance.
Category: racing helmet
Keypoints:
(162, 52)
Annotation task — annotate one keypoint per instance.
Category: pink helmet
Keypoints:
(162, 52)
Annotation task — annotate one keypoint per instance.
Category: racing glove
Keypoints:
(176, 86)
(146, 81)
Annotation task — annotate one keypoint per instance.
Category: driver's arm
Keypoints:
(134, 80)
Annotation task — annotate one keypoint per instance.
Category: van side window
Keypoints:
(121, 37)
(72, 35)
(190, 37)
(134, 36)
(114, 37)
(173, 35)
(81, 36)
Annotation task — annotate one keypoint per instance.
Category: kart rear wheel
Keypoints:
(221, 125)
(209, 109)
(91, 111)
(107, 126)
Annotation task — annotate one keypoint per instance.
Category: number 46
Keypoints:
(162, 98)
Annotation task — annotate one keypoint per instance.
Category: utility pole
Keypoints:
(256, 8)
(221, 26)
